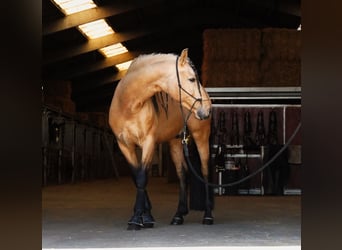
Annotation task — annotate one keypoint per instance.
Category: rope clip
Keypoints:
(186, 138)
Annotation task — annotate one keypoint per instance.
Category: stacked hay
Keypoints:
(251, 57)
(231, 74)
(58, 95)
(280, 64)
(231, 57)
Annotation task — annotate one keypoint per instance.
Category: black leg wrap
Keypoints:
(177, 220)
(142, 217)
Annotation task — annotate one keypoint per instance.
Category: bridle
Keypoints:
(180, 89)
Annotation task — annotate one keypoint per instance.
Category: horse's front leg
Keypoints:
(142, 209)
(178, 160)
(140, 180)
(208, 218)
(142, 216)
(201, 139)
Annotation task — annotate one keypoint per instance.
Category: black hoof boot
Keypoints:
(208, 221)
(135, 223)
(177, 220)
(147, 220)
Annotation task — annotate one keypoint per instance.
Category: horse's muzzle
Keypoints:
(203, 114)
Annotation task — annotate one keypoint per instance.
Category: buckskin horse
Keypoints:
(152, 103)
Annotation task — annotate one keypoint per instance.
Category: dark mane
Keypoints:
(160, 99)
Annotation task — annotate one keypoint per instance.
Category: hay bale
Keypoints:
(251, 57)
(281, 44)
(230, 74)
(231, 44)
(57, 88)
(280, 73)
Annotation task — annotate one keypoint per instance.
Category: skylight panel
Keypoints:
(124, 66)
(73, 6)
(96, 29)
(113, 50)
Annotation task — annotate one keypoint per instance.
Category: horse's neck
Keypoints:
(139, 87)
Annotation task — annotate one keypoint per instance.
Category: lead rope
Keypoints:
(186, 153)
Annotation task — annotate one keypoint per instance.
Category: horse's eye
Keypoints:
(192, 79)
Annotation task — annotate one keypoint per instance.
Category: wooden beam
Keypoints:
(90, 15)
(65, 72)
(91, 45)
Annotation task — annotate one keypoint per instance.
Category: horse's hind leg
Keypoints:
(176, 151)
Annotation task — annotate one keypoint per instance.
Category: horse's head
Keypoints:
(191, 93)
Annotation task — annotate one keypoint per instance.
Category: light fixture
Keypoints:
(113, 50)
(123, 66)
(72, 6)
(96, 29)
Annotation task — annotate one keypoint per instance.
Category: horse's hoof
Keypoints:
(208, 221)
(135, 223)
(177, 220)
(147, 220)
(133, 227)
(148, 225)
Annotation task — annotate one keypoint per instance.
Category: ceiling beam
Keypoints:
(90, 15)
(91, 45)
(65, 72)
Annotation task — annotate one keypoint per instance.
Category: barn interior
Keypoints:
(247, 55)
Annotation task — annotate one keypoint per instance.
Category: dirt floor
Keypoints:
(95, 214)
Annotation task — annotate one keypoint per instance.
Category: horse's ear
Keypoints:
(183, 57)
